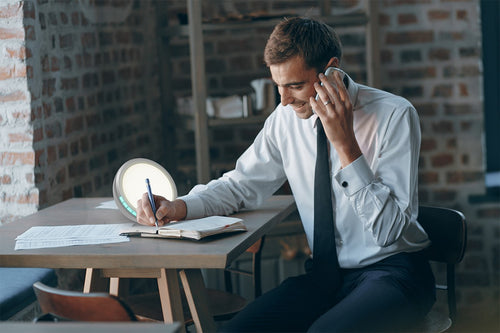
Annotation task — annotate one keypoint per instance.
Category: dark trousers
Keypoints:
(389, 296)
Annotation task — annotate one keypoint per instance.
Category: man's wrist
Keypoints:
(196, 208)
(180, 209)
(349, 154)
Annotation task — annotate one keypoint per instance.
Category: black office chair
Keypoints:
(447, 231)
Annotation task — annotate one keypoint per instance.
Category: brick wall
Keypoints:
(79, 88)
(430, 54)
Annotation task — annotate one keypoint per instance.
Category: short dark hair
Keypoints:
(313, 40)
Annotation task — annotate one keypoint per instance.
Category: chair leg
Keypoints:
(452, 302)
(256, 263)
(228, 283)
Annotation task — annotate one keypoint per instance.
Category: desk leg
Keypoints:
(194, 288)
(94, 281)
(119, 286)
(170, 296)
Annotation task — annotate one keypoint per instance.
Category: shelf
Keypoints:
(237, 121)
(219, 122)
(353, 19)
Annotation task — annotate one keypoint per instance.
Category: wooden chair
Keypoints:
(78, 306)
(226, 304)
(447, 231)
(254, 273)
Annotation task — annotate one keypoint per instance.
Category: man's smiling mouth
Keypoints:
(299, 106)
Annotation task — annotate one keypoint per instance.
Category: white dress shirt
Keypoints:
(375, 199)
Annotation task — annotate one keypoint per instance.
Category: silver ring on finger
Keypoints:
(327, 102)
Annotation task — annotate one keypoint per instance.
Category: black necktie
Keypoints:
(325, 263)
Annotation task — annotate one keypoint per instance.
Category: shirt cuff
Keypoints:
(194, 206)
(355, 176)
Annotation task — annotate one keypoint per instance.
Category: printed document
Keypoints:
(58, 236)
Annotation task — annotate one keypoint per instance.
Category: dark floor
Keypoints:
(476, 324)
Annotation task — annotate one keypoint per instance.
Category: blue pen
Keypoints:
(152, 202)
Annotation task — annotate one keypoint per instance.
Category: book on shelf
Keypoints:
(190, 229)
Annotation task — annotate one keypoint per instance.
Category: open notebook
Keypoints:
(193, 229)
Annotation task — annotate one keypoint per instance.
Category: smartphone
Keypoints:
(329, 74)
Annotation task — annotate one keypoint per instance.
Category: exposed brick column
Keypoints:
(18, 193)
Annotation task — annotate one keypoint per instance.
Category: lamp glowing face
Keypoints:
(130, 183)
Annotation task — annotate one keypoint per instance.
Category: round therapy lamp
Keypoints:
(130, 184)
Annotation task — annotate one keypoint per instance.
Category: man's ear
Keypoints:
(333, 62)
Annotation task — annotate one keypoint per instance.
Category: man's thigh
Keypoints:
(391, 294)
(378, 301)
(291, 307)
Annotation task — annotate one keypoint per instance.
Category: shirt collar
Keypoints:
(352, 90)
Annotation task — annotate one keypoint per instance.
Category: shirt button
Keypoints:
(345, 184)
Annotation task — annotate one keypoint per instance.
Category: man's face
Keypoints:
(295, 84)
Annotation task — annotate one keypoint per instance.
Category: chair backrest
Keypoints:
(78, 306)
(447, 231)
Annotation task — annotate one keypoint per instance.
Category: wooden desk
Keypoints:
(162, 259)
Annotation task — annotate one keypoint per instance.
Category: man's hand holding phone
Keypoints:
(334, 107)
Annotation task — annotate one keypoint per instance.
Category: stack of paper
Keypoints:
(58, 236)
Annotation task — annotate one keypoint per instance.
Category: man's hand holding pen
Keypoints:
(166, 210)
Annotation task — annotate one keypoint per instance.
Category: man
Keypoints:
(373, 140)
